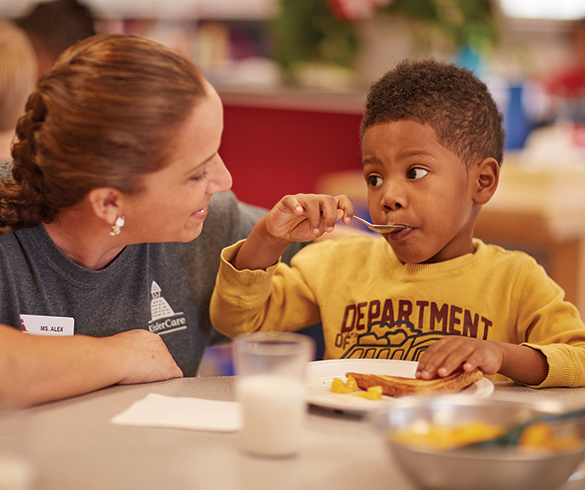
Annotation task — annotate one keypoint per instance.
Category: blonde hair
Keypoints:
(18, 73)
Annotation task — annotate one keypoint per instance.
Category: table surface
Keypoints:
(73, 445)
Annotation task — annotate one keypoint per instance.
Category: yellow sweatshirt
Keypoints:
(372, 305)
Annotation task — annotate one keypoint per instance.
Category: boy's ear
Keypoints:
(487, 178)
(105, 203)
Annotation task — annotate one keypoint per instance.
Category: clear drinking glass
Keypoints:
(270, 369)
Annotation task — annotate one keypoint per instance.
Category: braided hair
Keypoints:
(103, 116)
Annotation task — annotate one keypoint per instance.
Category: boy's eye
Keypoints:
(374, 180)
(417, 173)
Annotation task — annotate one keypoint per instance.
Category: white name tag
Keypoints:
(47, 325)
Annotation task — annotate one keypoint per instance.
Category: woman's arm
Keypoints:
(36, 369)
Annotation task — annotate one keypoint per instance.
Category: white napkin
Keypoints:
(183, 413)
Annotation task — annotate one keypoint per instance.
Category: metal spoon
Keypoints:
(380, 228)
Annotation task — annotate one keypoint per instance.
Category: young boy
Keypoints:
(432, 145)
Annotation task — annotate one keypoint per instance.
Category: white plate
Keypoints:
(320, 374)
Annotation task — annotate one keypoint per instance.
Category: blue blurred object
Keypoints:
(316, 333)
(218, 360)
(468, 58)
(516, 123)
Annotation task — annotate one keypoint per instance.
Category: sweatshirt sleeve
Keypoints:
(229, 220)
(250, 300)
(553, 327)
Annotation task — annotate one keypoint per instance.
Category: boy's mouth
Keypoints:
(400, 234)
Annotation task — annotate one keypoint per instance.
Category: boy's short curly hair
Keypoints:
(450, 99)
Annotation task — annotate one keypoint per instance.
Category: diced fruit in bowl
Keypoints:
(431, 439)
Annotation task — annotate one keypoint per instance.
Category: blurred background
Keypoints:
(293, 75)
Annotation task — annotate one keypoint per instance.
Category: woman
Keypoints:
(109, 228)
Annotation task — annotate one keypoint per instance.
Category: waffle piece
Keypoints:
(400, 386)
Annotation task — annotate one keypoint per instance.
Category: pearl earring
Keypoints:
(117, 226)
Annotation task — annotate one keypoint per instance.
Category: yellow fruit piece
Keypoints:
(339, 386)
(439, 437)
(540, 437)
(373, 393)
(349, 386)
(351, 383)
(536, 435)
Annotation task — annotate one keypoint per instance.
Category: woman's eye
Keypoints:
(199, 177)
(374, 180)
(417, 173)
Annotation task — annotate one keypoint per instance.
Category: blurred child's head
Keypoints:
(53, 26)
(432, 143)
(18, 73)
(448, 98)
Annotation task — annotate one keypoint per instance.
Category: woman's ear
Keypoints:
(105, 203)
(487, 178)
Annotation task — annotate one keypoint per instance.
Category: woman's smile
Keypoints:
(200, 213)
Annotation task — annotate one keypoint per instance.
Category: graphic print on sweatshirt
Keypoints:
(162, 317)
(398, 340)
(369, 329)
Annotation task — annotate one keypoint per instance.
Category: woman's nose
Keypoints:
(220, 179)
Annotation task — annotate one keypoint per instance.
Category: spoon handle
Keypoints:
(557, 417)
(379, 228)
(512, 436)
(364, 222)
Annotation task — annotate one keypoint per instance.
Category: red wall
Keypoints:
(274, 152)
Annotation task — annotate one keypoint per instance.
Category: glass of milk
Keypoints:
(270, 368)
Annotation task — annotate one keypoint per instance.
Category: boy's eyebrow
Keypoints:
(415, 153)
(404, 154)
(370, 160)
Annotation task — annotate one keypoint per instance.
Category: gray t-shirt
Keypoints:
(162, 287)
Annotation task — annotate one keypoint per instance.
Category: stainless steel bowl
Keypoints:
(466, 469)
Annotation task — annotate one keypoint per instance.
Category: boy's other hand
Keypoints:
(304, 217)
(454, 352)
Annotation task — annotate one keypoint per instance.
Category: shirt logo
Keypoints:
(162, 317)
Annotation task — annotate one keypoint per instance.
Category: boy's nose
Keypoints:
(394, 197)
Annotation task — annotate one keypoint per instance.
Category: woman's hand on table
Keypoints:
(146, 356)
(37, 369)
